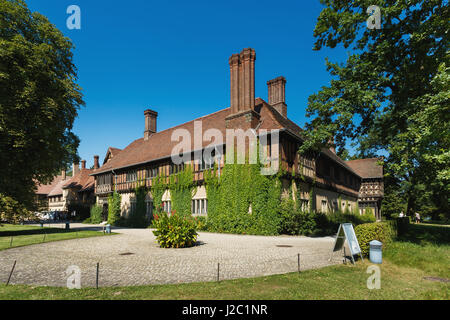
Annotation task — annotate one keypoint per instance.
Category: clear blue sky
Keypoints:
(172, 57)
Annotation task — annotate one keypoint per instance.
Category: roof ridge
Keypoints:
(184, 123)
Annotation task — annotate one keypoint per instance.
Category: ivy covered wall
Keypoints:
(243, 201)
(181, 188)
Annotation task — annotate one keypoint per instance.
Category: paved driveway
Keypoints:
(134, 258)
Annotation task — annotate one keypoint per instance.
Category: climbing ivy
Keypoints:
(137, 218)
(242, 200)
(114, 209)
(181, 188)
(159, 186)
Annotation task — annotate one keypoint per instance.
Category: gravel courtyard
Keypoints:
(133, 258)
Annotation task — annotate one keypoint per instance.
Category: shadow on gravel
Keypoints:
(45, 230)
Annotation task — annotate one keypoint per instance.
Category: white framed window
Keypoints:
(199, 206)
(167, 207)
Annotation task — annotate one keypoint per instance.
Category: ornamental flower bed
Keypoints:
(174, 231)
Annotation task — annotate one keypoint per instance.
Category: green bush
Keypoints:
(328, 224)
(385, 232)
(295, 221)
(13, 212)
(96, 215)
(174, 231)
(201, 223)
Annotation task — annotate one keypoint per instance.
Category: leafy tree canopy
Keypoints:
(392, 93)
(39, 100)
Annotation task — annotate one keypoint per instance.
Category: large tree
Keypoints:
(389, 91)
(39, 100)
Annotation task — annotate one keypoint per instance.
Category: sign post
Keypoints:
(346, 231)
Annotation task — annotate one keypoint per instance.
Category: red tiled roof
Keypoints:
(57, 190)
(111, 153)
(367, 168)
(47, 188)
(160, 145)
(82, 180)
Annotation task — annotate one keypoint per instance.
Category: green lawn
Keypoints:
(23, 235)
(416, 255)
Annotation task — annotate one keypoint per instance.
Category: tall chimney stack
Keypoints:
(277, 98)
(75, 168)
(150, 123)
(242, 78)
(63, 174)
(83, 164)
(96, 166)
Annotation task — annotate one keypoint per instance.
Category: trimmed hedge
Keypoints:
(328, 223)
(385, 232)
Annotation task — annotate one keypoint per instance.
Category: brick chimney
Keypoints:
(277, 97)
(150, 123)
(83, 164)
(96, 166)
(75, 168)
(63, 174)
(242, 78)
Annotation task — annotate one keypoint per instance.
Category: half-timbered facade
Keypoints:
(371, 191)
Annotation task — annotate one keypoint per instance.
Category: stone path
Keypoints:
(134, 258)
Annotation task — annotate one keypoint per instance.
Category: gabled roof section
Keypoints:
(82, 181)
(45, 189)
(111, 153)
(367, 168)
(57, 190)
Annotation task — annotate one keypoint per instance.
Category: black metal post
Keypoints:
(345, 256)
(10, 243)
(218, 271)
(96, 278)
(12, 270)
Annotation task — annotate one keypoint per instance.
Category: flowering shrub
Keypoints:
(202, 223)
(173, 230)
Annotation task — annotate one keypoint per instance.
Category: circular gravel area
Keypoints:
(134, 258)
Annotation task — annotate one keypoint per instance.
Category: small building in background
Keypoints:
(371, 192)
